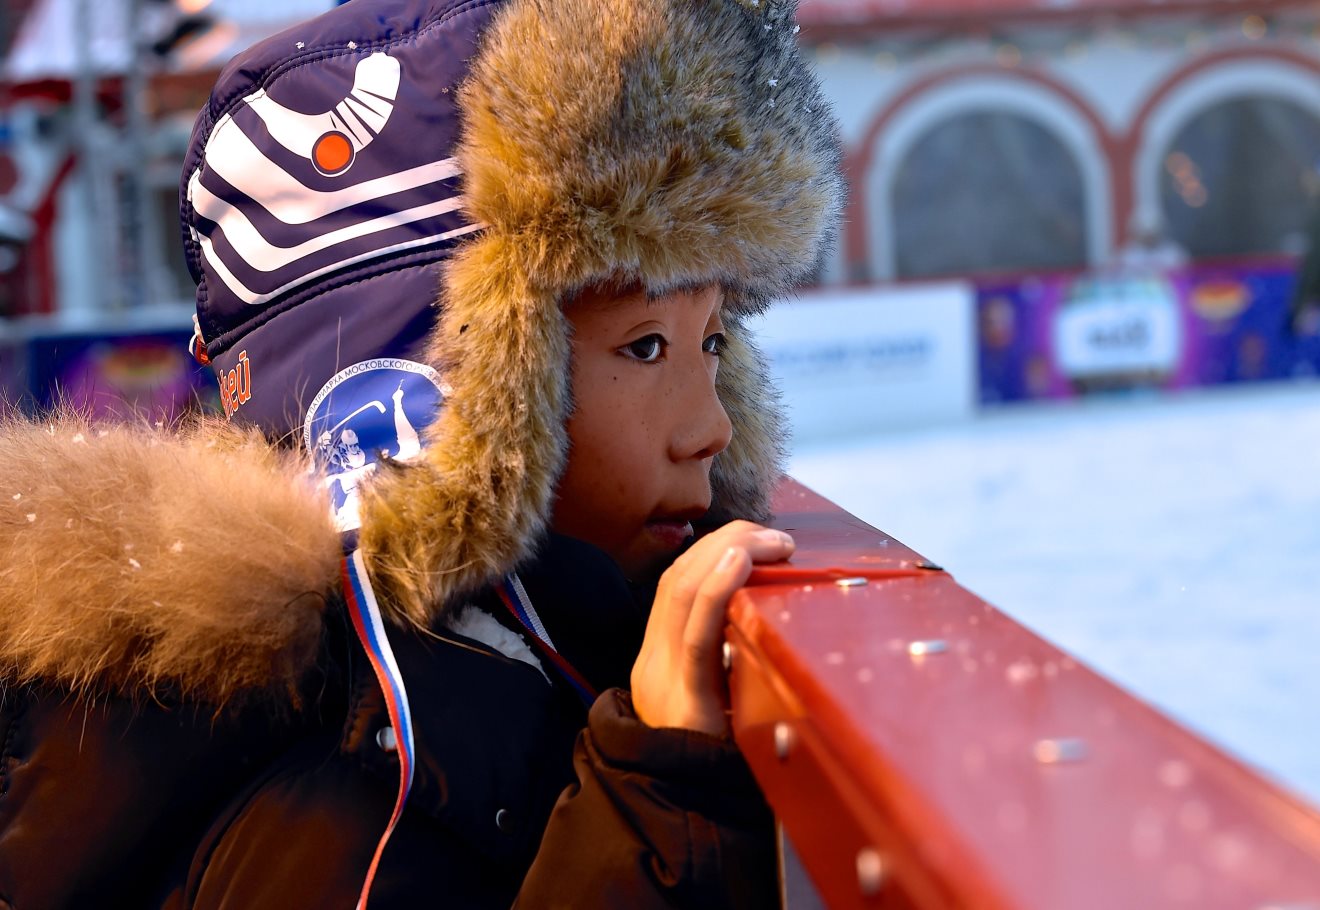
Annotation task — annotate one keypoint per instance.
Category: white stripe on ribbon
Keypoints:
(532, 617)
(386, 654)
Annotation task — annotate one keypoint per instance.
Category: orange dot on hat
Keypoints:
(332, 152)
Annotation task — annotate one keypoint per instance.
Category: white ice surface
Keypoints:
(1172, 544)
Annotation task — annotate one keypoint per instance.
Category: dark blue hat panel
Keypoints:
(283, 375)
(337, 158)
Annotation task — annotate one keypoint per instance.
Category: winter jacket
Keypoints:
(385, 209)
(111, 803)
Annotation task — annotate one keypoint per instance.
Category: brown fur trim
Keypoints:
(144, 562)
(675, 143)
(474, 506)
(745, 474)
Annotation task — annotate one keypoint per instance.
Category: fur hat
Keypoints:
(674, 143)
(386, 209)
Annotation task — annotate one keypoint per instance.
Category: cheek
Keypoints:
(600, 496)
(610, 433)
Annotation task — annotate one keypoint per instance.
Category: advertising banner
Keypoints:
(140, 374)
(13, 368)
(864, 360)
(1061, 336)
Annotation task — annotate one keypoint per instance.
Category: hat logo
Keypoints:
(333, 153)
(333, 139)
(266, 224)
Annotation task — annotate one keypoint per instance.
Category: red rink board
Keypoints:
(938, 764)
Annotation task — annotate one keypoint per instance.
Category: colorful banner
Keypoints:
(1062, 336)
(141, 375)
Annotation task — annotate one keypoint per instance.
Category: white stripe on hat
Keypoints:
(264, 256)
(235, 158)
(247, 295)
(375, 83)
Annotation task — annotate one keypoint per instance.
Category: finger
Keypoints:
(706, 551)
(668, 610)
(762, 544)
(768, 545)
(680, 583)
(704, 634)
(686, 573)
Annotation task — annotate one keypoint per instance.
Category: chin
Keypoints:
(646, 565)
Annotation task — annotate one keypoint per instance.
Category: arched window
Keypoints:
(1234, 179)
(987, 191)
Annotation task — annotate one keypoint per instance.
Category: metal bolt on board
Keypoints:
(927, 646)
(850, 582)
(871, 871)
(1059, 751)
(783, 740)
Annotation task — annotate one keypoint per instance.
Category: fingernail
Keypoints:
(772, 536)
(727, 560)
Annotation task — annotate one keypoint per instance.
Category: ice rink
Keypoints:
(1172, 543)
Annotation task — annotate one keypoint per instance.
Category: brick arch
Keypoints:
(1129, 145)
(856, 162)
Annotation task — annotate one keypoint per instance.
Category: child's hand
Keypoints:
(678, 679)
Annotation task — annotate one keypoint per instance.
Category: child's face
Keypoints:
(646, 423)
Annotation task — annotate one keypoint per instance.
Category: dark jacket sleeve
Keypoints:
(657, 818)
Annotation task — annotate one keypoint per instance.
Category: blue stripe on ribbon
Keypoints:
(370, 627)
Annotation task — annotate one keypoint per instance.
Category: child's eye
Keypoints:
(715, 344)
(649, 349)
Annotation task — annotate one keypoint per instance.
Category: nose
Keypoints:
(703, 429)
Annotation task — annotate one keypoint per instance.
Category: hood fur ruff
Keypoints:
(671, 143)
(135, 560)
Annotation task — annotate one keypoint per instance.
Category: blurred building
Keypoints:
(97, 98)
(991, 136)
(97, 101)
(1105, 194)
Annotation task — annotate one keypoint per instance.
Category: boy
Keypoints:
(209, 705)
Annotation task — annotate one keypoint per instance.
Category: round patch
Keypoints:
(332, 153)
(372, 410)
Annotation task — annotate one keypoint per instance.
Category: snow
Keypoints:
(1171, 543)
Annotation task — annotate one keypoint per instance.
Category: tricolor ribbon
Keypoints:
(370, 628)
(517, 602)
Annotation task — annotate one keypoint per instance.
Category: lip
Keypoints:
(669, 532)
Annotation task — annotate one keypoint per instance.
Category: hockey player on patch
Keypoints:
(346, 462)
